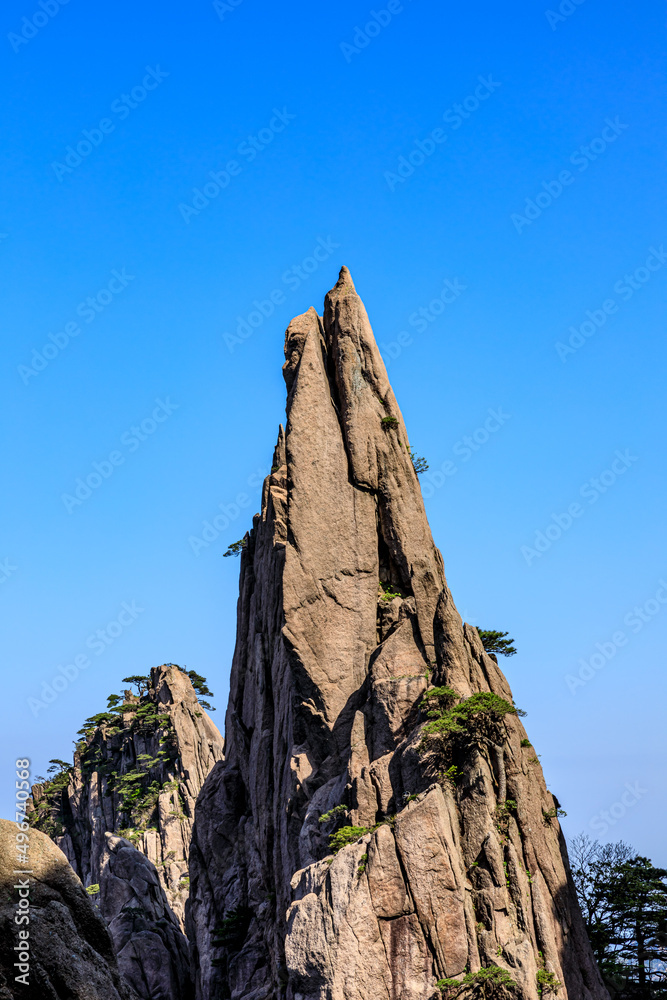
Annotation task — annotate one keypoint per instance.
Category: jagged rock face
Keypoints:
(151, 949)
(71, 953)
(180, 744)
(138, 853)
(344, 622)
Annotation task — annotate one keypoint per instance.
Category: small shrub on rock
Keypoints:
(492, 983)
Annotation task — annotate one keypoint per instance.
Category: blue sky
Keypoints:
(179, 183)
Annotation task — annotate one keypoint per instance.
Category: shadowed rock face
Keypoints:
(71, 953)
(151, 949)
(344, 621)
(143, 881)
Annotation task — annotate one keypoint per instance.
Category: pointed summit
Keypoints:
(334, 855)
(344, 285)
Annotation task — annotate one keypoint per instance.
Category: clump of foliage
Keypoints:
(48, 813)
(61, 772)
(547, 984)
(450, 776)
(236, 548)
(111, 719)
(147, 718)
(623, 898)
(130, 833)
(456, 725)
(509, 805)
(137, 789)
(142, 683)
(476, 716)
(444, 698)
(495, 642)
(388, 594)
(199, 684)
(363, 861)
(491, 983)
(419, 464)
(137, 793)
(554, 813)
(333, 813)
(202, 689)
(93, 890)
(347, 835)
(526, 742)
(390, 423)
(91, 724)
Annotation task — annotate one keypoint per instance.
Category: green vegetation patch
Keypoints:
(469, 714)
(333, 813)
(236, 548)
(347, 835)
(495, 642)
(547, 984)
(492, 983)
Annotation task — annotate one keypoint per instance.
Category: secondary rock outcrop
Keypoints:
(380, 822)
(123, 814)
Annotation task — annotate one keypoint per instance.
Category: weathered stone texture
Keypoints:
(344, 621)
(71, 953)
(143, 882)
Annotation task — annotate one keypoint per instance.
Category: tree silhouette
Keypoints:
(623, 898)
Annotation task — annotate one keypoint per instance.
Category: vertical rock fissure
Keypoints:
(499, 756)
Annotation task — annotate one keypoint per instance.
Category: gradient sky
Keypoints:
(539, 199)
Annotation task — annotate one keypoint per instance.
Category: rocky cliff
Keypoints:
(123, 813)
(68, 951)
(380, 826)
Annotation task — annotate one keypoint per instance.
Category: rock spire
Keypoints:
(380, 822)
